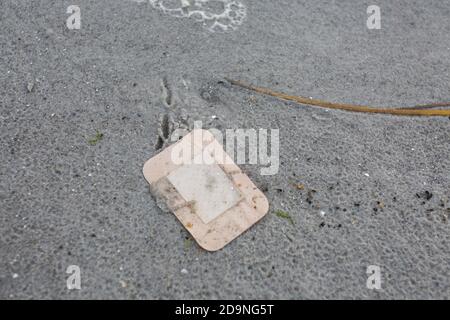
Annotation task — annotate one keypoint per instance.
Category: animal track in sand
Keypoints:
(173, 118)
(216, 15)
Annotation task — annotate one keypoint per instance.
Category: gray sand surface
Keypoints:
(376, 187)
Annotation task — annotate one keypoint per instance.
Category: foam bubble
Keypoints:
(217, 15)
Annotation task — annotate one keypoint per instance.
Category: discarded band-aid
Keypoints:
(210, 195)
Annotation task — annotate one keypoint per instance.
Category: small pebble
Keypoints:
(30, 86)
(184, 271)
